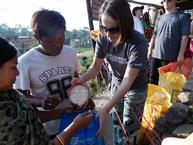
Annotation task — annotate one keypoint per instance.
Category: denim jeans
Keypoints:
(133, 102)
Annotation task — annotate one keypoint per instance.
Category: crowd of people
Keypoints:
(33, 88)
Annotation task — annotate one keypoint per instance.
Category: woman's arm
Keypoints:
(81, 121)
(39, 101)
(35, 101)
(129, 77)
(93, 70)
(46, 116)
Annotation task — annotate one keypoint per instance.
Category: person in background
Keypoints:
(20, 122)
(147, 26)
(191, 42)
(137, 15)
(47, 71)
(191, 29)
(161, 10)
(126, 52)
(169, 40)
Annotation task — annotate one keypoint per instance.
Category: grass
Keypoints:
(82, 50)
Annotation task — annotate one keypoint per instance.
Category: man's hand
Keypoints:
(180, 59)
(149, 53)
(49, 103)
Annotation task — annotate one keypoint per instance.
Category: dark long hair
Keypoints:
(120, 11)
(7, 51)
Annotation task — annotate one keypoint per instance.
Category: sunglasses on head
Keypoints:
(111, 30)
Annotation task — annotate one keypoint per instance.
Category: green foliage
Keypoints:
(34, 43)
(82, 69)
(95, 87)
(81, 50)
(78, 38)
(67, 37)
(10, 33)
(75, 38)
(85, 62)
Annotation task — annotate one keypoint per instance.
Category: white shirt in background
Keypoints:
(138, 25)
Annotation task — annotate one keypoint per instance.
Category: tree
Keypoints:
(10, 33)
(80, 38)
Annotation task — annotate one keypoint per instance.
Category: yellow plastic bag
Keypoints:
(156, 105)
(173, 83)
(185, 68)
(94, 34)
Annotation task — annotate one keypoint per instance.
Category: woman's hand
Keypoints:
(102, 114)
(83, 119)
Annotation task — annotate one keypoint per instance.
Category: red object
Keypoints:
(89, 104)
(185, 68)
(191, 48)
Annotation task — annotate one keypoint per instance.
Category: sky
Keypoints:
(15, 12)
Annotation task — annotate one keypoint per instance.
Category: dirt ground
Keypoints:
(102, 98)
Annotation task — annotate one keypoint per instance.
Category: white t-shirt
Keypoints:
(48, 76)
(138, 25)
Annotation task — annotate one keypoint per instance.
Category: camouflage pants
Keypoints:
(133, 102)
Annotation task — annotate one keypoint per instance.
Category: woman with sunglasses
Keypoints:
(126, 51)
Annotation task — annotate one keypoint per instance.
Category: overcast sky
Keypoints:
(13, 12)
